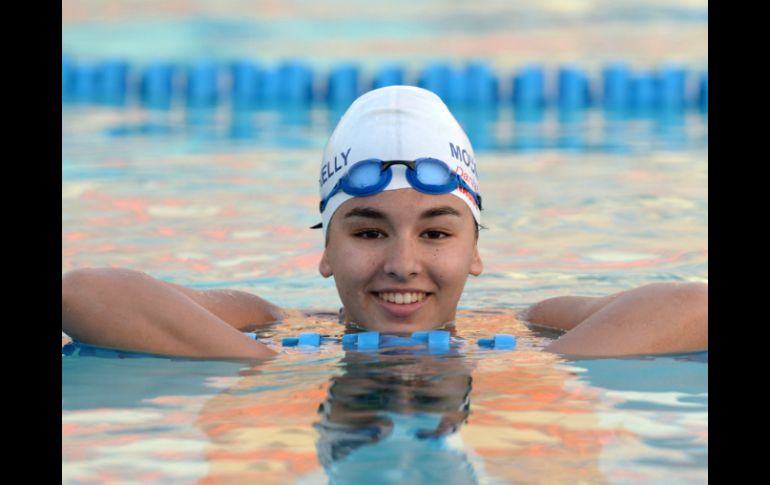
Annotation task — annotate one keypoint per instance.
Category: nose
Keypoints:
(402, 259)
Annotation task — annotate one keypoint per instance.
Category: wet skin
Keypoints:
(400, 246)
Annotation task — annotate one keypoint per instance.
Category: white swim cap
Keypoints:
(396, 123)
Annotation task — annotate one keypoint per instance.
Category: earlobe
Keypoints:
(324, 267)
(477, 266)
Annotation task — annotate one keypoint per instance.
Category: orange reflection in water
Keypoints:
(528, 416)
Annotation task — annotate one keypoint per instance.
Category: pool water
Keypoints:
(585, 203)
(195, 206)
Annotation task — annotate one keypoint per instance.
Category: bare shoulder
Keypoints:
(656, 318)
(567, 312)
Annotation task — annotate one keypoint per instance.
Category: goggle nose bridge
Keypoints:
(411, 164)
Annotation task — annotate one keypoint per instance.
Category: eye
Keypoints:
(369, 234)
(435, 234)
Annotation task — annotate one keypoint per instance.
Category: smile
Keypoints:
(406, 298)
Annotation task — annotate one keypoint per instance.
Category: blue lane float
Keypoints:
(481, 84)
(84, 83)
(671, 88)
(616, 84)
(67, 70)
(157, 85)
(643, 92)
(456, 89)
(435, 77)
(388, 76)
(202, 87)
(528, 91)
(435, 341)
(475, 84)
(112, 81)
(343, 85)
(273, 90)
(432, 342)
(246, 79)
(296, 78)
(291, 82)
(105, 82)
(573, 88)
(703, 92)
(501, 341)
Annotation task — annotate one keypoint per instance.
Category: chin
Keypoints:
(404, 327)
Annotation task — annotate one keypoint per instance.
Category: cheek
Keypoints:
(452, 267)
(353, 266)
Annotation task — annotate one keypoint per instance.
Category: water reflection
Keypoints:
(529, 130)
(572, 127)
(479, 123)
(394, 414)
(670, 129)
(287, 124)
(615, 129)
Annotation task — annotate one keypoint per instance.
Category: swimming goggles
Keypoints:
(426, 175)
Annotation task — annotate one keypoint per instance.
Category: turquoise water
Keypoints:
(585, 204)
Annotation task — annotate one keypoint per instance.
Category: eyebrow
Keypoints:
(366, 212)
(371, 213)
(440, 211)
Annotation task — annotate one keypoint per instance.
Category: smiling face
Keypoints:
(400, 259)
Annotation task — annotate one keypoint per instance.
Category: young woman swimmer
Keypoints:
(400, 208)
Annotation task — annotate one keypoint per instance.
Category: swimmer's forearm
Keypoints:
(130, 310)
(244, 311)
(564, 312)
(659, 318)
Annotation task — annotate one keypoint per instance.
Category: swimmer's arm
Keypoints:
(243, 311)
(653, 319)
(130, 310)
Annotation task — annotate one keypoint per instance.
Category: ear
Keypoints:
(477, 266)
(324, 267)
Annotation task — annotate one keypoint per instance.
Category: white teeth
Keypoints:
(401, 298)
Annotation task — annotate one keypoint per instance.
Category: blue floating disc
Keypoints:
(420, 336)
(202, 84)
(388, 76)
(311, 339)
(617, 86)
(349, 339)
(487, 343)
(504, 341)
(368, 340)
(529, 88)
(438, 339)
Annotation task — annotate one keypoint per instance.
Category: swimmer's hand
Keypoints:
(130, 310)
(659, 318)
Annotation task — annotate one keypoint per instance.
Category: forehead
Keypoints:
(404, 205)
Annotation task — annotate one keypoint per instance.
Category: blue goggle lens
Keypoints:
(433, 173)
(364, 175)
